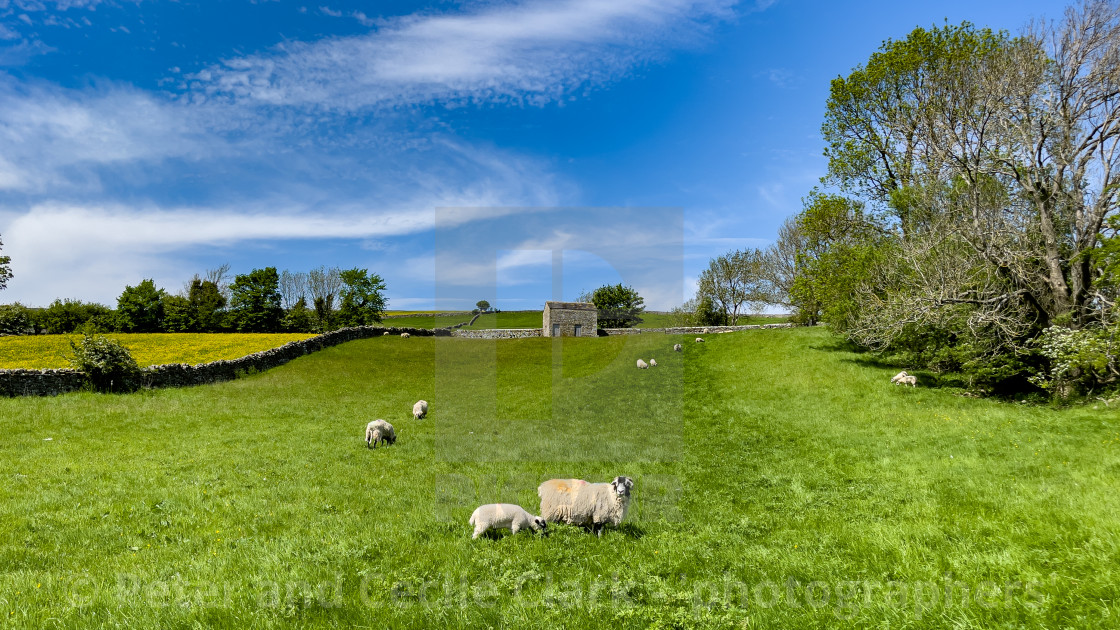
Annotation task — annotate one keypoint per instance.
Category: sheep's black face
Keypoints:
(622, 485)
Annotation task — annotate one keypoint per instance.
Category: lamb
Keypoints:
(379, 431)
(405, 335)
(897, 377)
(676, 347)
(505, 516)
(385, 334)
(642, 364)
(652, 362)
(420, 409)
(909, 379)
(699, 340)
(578, 502)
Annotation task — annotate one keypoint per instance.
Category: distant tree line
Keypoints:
(262, 300)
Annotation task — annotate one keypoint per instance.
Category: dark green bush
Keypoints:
(108, 366)
(15, 319)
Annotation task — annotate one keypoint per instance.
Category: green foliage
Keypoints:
(5, 268)
(482, 305)
(108, 366)
(842, 245)
(255, 301)
(619, 306)
(140, 308)
(1080, 361)
(299, 318)
(178, 316)
(15, 319)
(67, 316)
(207, 304)
(738, 278)
(363, 300)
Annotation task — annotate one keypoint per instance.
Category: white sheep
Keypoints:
(405, 335)
(652, 362)
(505, 516)
(379, 431)
(909, 379)
(420, 409)
(676, 347)
(699, 340)
(577, 502)
(385, 334)
(897, 377)
(642, 364)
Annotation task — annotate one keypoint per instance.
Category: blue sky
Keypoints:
(147, 139)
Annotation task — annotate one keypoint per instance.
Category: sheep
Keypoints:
(420, 409)
(385, 334)
(642, 364)
(405, 335)
(379, 431)
(897, 377)
(652, 362)
(676, 347)
(578, 502)
(699, 340)
(909, 379)
(505, 516)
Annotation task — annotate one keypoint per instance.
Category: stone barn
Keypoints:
(570, 319)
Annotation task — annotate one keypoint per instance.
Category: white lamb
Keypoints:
(909, 379)
(652, 362)
(505, 516)
(699, 340)
(676, 347)
(405, 335)
(897, 377)
(642, 364)
(379, 431)
(420, 409)
(577, 502)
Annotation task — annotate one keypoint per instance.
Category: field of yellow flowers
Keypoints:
(53, 351)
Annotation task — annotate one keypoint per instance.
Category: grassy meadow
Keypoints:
(780, 481)
(53, 351)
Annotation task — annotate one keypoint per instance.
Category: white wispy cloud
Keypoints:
(529, 52)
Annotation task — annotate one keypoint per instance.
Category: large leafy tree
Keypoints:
(255, 301)
(618, 306)
(736, 280)
(140, 308)
(206, 305)
(363, 300)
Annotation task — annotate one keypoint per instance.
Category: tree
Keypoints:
(255, 301)
(140, 308)
(178, 316)
(781, 261)
(362, 299)
(299, 318)
(482, 306)
(5, 268)
(207, 303)
(323, 285)
(293, 288)
(736, 279)
(619, 306)
(67, 316)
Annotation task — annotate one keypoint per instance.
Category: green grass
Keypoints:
(781, 481)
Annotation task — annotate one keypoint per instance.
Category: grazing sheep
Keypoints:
(909, 379)
(578, 502)
(379, 431)
(676, 347)
(505, 516)
(897, 377)
(652, 362)
(699, 340)
(642, 364)
(405, 335)
(420, 409)
(385, 334)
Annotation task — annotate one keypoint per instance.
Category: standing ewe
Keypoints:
(505, 516)
(676, 347)
(578, 502)
(420, 409)
(642, 364)
(379, 431)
